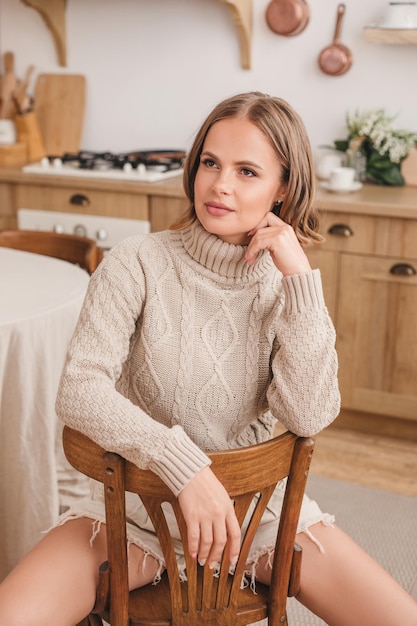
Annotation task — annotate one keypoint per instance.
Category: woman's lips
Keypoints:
(216, 209)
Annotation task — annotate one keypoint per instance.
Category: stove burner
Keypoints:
(160, 160)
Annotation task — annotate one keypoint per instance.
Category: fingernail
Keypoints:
(212, 565)
(193, 555)
(202, 562)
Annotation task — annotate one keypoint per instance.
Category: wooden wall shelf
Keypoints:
(242, 14)
(391, 36)
(53, 14)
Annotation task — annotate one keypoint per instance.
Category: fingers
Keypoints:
(210, 518)
(280, 240)
(234, 535)
(263, 235)
(209, 541)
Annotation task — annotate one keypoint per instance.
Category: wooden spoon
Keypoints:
(8, 85)
(20, 97)
(336, 59)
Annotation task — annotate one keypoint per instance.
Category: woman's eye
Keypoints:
(209, 163)
(247, 172)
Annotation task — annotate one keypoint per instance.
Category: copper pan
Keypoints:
(287, 17)
(336, 59)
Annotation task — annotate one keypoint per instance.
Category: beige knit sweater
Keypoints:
(182, 347)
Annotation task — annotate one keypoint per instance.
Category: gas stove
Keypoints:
(142, 166)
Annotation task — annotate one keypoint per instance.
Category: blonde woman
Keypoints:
(203, 337)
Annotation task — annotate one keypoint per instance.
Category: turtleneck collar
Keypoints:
(224, 260)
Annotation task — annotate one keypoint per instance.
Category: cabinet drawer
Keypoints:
(385, 236)
(78, 200)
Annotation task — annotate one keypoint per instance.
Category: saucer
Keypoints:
(354, 187)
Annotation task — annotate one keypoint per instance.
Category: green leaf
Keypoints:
(386, 176)
(341, 145)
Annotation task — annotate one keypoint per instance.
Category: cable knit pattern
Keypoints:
(182, 347)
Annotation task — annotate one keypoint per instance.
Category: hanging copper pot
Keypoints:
(336, 59)
(287, 17)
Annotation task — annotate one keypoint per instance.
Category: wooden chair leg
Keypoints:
(294, 585)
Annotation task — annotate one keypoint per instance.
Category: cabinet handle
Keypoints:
(340, 230)
(80, 199)
(403, 269)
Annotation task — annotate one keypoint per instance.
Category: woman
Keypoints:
(204, 337)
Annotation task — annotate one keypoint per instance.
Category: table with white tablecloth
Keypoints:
(40, 301)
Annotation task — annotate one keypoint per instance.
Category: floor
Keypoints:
(372, 460)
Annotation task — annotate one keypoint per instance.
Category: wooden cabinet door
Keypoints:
(7, 208)
(377, 335)
(327, 262)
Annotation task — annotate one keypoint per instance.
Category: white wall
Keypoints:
(155, 68)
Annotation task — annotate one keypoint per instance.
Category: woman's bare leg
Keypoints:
(345, 586)
(55, 584)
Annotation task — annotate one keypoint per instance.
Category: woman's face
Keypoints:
(238, 180)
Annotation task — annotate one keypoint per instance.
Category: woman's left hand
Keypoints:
(280, 239)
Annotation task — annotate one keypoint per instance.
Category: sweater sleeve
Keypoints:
(303, 394)
(88, 399)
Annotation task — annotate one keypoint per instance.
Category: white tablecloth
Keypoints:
(40, 300)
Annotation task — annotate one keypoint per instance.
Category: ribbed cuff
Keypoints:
(303, 291)
(182, 460)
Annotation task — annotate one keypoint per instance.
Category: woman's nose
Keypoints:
(223, 182)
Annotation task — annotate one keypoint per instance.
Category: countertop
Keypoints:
(370, 200)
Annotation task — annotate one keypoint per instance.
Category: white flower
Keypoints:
(376, 127)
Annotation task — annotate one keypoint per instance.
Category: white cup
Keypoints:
(341, 178)
(7, 132)
(400, 15)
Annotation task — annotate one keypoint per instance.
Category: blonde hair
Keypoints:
(287, 134)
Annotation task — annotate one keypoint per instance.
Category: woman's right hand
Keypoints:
(210, 517)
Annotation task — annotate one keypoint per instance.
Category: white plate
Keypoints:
(355, 187)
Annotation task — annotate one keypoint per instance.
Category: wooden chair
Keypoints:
(204, 598)
(81, 251)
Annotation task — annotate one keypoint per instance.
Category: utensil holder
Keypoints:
(29, 133)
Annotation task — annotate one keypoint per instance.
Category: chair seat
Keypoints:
(150, 605)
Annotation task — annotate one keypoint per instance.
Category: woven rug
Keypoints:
(382, 523)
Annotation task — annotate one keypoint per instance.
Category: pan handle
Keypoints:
(340, 13)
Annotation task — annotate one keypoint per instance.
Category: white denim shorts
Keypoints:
(140, 530)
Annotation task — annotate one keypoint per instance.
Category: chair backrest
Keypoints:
(81, 251)
(204, 598)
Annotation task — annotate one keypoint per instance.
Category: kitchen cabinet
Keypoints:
(7, 206)
(165, 210)
(369, 269)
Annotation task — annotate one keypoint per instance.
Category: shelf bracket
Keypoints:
(242, 15)
(53, 14)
